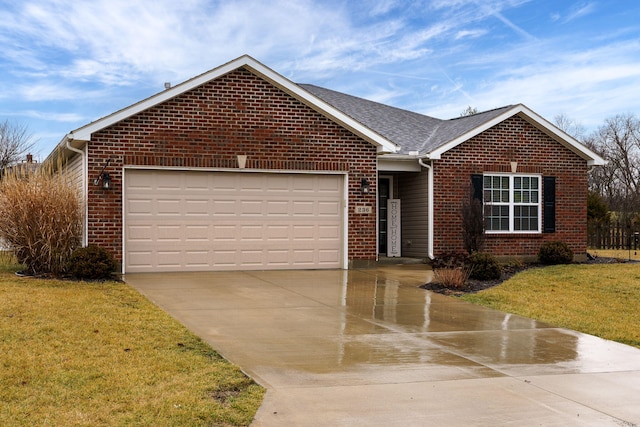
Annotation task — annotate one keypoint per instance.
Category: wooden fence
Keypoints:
(613, 235)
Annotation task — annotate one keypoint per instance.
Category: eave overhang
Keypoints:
(592, 158)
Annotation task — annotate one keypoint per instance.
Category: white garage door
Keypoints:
(210, 221)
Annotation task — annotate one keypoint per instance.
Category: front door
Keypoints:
(384, 194)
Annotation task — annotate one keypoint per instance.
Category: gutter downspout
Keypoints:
(430, 207)
(85, 225)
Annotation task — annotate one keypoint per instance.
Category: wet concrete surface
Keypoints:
(368, 347)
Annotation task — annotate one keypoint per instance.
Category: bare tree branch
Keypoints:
(15, 143)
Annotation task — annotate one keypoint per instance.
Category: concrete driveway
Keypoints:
(369, 348)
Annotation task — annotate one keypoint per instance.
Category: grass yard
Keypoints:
(96, 354)
(598, 299)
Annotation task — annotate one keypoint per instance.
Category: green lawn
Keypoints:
(598, 299)
(97, 354)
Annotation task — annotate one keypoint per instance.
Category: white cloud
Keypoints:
(580, 10)
(470, 34)
(590, 85)
(52, 116)
(436, 56)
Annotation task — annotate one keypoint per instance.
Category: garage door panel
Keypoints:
(329, 232)
(196, 233)
(169, 233)
(139, 207)
(199, 221)
(197, 207)
(305, 208)
(279, 208)
(251, 207)
(277, 233)
(222, 207)
(328, 256)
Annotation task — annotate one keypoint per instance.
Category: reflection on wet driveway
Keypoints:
(334, 329)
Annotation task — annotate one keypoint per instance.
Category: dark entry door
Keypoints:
(384, 193)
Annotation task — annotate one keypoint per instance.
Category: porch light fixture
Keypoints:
(365, 188)
(104, 177)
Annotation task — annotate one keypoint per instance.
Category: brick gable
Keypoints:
(207, 127)
(492, 151)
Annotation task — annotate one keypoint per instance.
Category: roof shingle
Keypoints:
(413, 132)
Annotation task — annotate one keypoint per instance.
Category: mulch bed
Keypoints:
(508, 271)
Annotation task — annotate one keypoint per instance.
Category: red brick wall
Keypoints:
(492, 151)
(209, 126)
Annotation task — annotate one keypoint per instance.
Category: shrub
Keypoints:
(472, 213)
(40, 219)
(452, 270)
(485, 266)
(552, 253)
(452, 278)
(92, 263)
(449, 260)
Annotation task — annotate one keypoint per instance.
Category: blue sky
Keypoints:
(65, 63)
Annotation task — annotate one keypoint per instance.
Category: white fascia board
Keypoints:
(84, 133)
(538, 121)
(592, 158)
(382, 144)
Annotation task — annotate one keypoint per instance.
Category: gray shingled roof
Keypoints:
(411, 131)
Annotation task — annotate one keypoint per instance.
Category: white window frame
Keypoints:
(512, 204)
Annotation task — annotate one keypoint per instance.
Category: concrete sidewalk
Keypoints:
(368, 347)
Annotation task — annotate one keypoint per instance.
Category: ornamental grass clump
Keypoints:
(40, 219)
(452, 270)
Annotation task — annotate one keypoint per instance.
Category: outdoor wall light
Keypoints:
(364, 186)
(104, 177)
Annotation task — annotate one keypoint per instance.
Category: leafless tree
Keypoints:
(15, 143)
(618, 141)
(570, 126)
(469, 111)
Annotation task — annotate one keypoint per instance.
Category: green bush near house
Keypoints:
(485, 266)
(552, 253)
(91, 263)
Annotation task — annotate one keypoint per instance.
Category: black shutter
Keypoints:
(549, 200)
(476, 182)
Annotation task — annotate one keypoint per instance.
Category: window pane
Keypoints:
(497, 218)
(525, 218)
(517, 183)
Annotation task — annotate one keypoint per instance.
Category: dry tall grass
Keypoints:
(452, 278)
(40, 219)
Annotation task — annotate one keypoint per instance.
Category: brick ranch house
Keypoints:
(240, 168)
